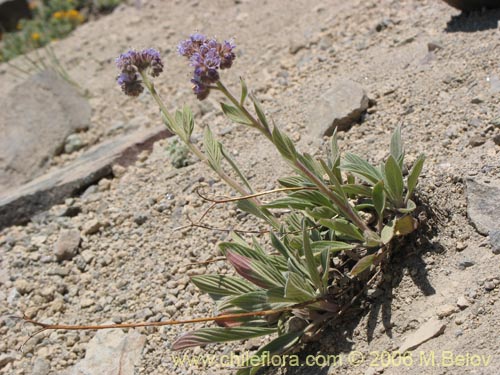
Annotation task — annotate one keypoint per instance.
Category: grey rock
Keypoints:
(494, 84)
(92, 226)
(462, 302)
(496, 139)
(483, 205)
(67, 245)
(111, 352)
(73, 143)
(338, 108)
(463, 264)
(495, 241)
(41, 367)
(477, 141)
(37, 116)
(6, 359)
(19, 204)
(140, 218)
(23, 286)
(427, 331)
(489, 286)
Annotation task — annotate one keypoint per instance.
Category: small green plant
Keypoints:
(344, 218)
(178, 154)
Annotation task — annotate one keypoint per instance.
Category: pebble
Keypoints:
(460, 246)
(86, 302)
(140, 218)
(489, 286)
(73, 143)
(446, 310)
(6, 359)
(476, 141)
(118, 170)
(477, 100)
(462, 302)
(92, 226)
(41, 367)
(465, 264)
(23, 286)
(67, 245)
(496, 139)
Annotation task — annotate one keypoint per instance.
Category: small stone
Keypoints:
(494, 236)
(23, 286)
(462, 302)
(41, 367)
(476, 141)
(446, 310)
(118, 170)
(477, 100)
(483, 205)
(104, 184)
(67, 245)
(140, 218)
(296, 46)
(86, 302)
(87, 255)
(489, 286)
(428, 330)
(92, 226)
(433, 46)
(73, 143)
(496, 139)
(460, 246)
(465, 264)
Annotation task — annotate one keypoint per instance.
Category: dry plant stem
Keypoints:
(199, 154)
(219, 318)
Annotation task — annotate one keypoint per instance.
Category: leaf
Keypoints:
(414, 174)
(294, 181)
(357, 189)
(257, 301)
(361, 168)
(250, 207)
(235, 114)
(278, 345)
(410, 207)
(298, 289)
(244, 91)
(284, 145)
(261, 274)
(325, 267)
(187, 121)
(397, 150)
(394, 183)
(309, 257)
(333, 246)
(405, 225)
(235, 167)
(212, 149)
(343, 227)
(363, 264)
(260, 112)
(387, 232)
(222, 285)
(219, 334)
(378, 195)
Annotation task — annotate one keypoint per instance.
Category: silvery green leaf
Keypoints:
(410, 207)
(414, 174)
(312, 165)
(325, 266)
(260, 112)
(357, 189)
(265, 275)
(397, 150)
(187, 121)
(290, 202)
(321, 212)
(219, 334)
(393, 180)
(298, 289)
(212, 149)
(378, 195)
(363, 264)
(387, 232)
(277, 346)
(331, 246)
(311, 265)
(235, 114)
(257, 301)
(361, 168)
(248, 206)
(343, 228)
(294, 181)
(222, 284)
(284, 144)
(244, 91)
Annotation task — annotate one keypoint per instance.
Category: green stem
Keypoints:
(346, 208)
(199, 154)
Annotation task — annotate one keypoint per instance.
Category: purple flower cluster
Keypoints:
(207, 56)
(132, 63)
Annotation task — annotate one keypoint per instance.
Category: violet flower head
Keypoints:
(207, 56)
(132, 63)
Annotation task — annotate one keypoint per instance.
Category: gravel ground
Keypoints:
(423, 67)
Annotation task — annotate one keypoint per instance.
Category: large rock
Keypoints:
(468, 5)
(427, 331)
(37, 117)
(338, 108)
(483, 205)
(11, 11)
(19, 204)
(110, 352)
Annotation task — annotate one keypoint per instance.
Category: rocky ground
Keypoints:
(116, 253)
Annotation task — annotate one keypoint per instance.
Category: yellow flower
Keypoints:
(58, 15)
(72, 14)
(35, 36)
